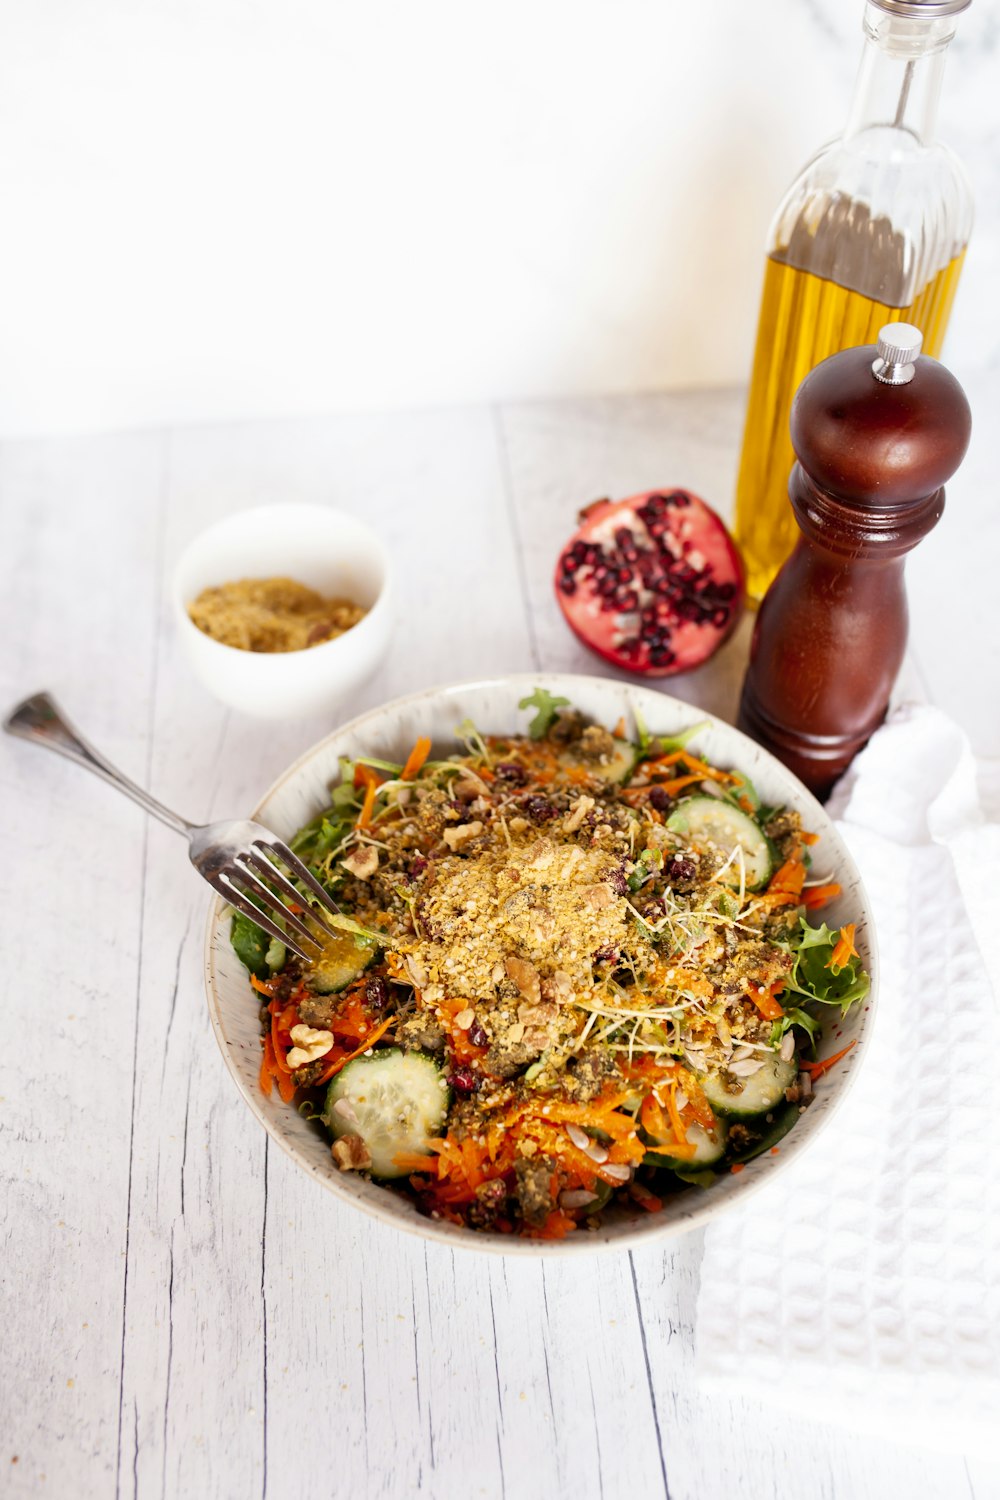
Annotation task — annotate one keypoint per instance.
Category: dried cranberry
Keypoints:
(510, 772)
(539, 809)
(477, 1034)
(606, 955)
(376, 993)
(419, 865)
(659, 799)
(463, 1080)
(618, 881)
(680, 868)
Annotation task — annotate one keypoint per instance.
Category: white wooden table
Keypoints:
(185, 1313)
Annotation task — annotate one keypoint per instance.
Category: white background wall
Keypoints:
(231, 208)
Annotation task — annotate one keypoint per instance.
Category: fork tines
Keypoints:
(241, 883)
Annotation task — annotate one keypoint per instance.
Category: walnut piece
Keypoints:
(351, 1154)
(456, 837)
(309, 1045)
(362, 862)
(581, 807)
(526, 977)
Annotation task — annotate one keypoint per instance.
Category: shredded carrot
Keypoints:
(844, 950)
(675, 1115)
(809, 838)
(704, 772)
(286, 1087)
(277, 1048)
(619, 729)
(678, 784)
(665, 1132)
(819, 895)
(790, 878)
(371, 789)
(817, 1069)
(416, 758)
(266, 1070)
(737, 1166)
(556, 1227)
(412, 1161)
(766, 1003)
(645, 1198)
(263, 987)
(653, 1120)
(342, 1062)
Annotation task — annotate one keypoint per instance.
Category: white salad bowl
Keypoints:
(389, 733)
(327, 550)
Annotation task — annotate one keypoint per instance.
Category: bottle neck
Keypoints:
(899, 81)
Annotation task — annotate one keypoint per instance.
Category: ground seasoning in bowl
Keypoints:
(271, 614)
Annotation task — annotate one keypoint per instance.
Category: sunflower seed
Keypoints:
(575, 1198)
(787, 1047)
(580, 1138)
(746, 1067)
(617, 1173)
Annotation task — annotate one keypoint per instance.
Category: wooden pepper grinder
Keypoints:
(877, 431)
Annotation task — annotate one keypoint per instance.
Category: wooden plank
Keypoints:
(79, 541)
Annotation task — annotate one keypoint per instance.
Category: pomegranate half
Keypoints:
(654, 584)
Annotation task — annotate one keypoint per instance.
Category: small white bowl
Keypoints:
(323, 548)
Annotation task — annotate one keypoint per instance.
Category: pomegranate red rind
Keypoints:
(653, 584)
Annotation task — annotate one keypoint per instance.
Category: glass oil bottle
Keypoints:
(873, 229)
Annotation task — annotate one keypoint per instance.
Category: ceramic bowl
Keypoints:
(388, 733)
(324, 548)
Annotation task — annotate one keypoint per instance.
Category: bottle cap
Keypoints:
(923, 10)
(898, 350)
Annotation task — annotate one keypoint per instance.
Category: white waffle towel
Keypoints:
(862, 1287)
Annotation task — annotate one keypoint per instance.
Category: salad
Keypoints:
(571, 967)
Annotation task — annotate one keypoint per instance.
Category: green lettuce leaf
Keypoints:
(547, 706)
(815, 978)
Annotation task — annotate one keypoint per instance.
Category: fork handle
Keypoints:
(40, 719)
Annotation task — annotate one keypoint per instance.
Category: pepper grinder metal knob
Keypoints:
(897, 352)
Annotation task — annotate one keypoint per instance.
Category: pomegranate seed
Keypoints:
(463, 1080)
(567, 585)
(510, 772)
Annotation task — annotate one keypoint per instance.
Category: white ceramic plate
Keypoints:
(389, 733)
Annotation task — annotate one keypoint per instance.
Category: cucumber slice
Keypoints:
(396, 1101)
(709, 1144)
(782, 1121)
(343, 958)
(754, 1095)
(250, 944)
(710, 820)
(617, 768)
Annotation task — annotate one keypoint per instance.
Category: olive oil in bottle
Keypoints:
(874, 229)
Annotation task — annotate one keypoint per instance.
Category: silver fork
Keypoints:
(237, 859)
